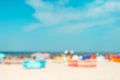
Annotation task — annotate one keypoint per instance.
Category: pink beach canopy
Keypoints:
(37, 54)
(45, 55)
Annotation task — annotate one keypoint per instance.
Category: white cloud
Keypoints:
(78, 27)
(54, 14)
(31, 27)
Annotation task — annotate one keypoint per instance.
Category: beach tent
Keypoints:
(85, 57)
(94, 56)
(2, 56)
(116, 58)
(84, 61)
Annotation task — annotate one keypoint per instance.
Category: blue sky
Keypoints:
(58, 25)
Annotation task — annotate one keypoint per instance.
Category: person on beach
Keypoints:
(2, 57)
(9, 57)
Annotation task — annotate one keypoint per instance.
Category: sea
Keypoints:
(28, 54)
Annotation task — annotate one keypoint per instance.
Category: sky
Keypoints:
(59, 25)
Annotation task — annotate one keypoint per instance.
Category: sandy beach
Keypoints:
(38, 36)
(56, 71)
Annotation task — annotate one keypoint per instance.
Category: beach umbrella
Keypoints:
(36, 54)
(69, 52)
(2, 55)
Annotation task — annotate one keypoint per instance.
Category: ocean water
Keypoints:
(28, 54)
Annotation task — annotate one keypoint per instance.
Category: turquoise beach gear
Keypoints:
(34, 64)
(37, 63)
(2, 56)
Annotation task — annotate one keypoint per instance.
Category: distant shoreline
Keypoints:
(29, 53)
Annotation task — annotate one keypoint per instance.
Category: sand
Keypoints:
(56, 71)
